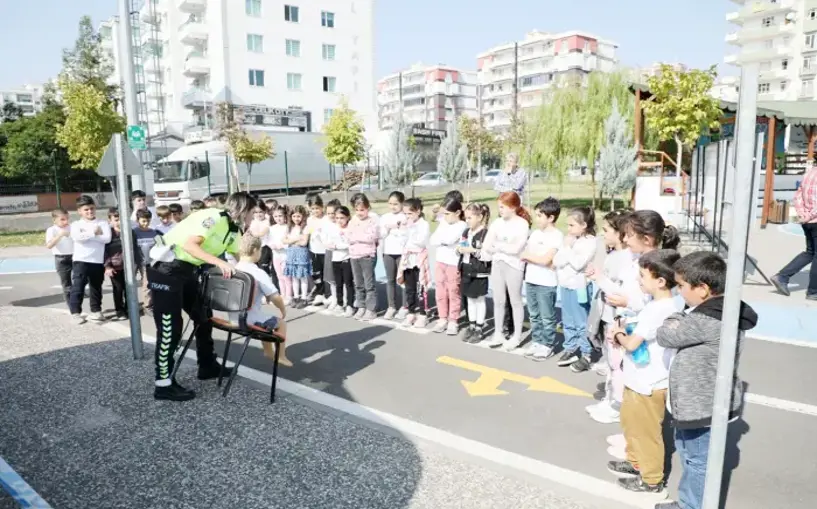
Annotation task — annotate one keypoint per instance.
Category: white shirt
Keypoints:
(394, 240)
(264, 287)
(631, 289)
(314, 225)
(540, 243)
(506, 240)
(571, 262)
(337, 238)
(89, 247)
(446, 237)
(260, 229)
(610, 281)
(417, 237)
(654, 375)
(65, 246)
(275, 239)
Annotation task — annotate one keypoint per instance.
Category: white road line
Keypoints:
(6, 287)
(791, 342)
(782, 404)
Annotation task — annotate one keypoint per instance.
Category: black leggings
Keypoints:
(415, 296)
(321, 288)
(343, 280)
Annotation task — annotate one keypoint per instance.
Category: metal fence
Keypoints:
(78, 184)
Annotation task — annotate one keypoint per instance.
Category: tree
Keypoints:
(230, 131)
(345, 143)
(250, 152)
(89, 124)
(401, 157)
(552, 145)
(453, 156)
(10, 112)
(617, 158)
(480, 143)
(31, 148)
(681, 108)
(88, 62)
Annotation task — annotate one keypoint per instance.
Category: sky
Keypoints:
(450, 32)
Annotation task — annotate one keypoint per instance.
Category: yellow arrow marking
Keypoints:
(491, 378)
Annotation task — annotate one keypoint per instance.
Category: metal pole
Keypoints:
(127, 250)
(57, 181)
(128, 78)
(207, 159)
(286, 171)
(736, 261)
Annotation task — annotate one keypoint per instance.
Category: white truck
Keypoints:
(198, 170)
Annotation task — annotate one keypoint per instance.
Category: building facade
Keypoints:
(28, 97)
(513, 77)
(780, 35)
(283, 64)
(428, 97)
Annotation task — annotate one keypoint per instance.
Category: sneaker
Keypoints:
(121, 316)
(531, 349)
(479, 334)
(173, 392)
(780, 284)
(617, 452)
(581, 365)
(440, 326)
(78, 319)
(601, 368)
(639, 486)
(606, 415)
(96, 317)
(421, 322)
(213, 370)
(543, 353)
(318, 300)
(360, 313)
(617, 440)
(402, 314)
(512, 344)
(390, 313)
(496, 341)
(623, 469)
(368, 316)
(408, 320)
(349, 313)
(668, 504)
(288, 301)
(468, 335)
(453, 329)
(332, 306)
(595, 407)
(568, 358)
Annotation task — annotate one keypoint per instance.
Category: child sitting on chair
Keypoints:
(265, 291)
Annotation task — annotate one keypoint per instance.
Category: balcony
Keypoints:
(197, 97)
(759, 55)
(758, 34)
(807, 92)
(151, 18)
(192, 6)
(761, 10)
(193, 32)
(196, 65)
(809, 71)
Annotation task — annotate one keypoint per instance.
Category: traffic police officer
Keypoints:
(200, 239)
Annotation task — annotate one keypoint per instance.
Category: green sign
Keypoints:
(136, 137)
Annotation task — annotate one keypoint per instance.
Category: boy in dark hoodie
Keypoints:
(115, 263)
(696, 335)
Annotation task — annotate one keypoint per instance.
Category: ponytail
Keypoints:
(670, 238)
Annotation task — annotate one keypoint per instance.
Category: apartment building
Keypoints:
(780, 35)
(27, 97)
(283, 64)
(427, 96)
(513, 77)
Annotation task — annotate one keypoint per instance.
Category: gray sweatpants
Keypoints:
(503, 277)
(363, 275)
(391, 264)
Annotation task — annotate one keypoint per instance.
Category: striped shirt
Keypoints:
(514, 181)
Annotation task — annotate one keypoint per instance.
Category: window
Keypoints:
(812, 14)
(808, 88)
(783, 85)
(810, 40)
(255, 43)
(293, 81)
(293, 48)
(767, 21)
(327, 114)
(291, 13)
(253, 8)
(329, 83)
(784, 64)
(328, 51)
(256, 78)
(763, 88)
(327, 19)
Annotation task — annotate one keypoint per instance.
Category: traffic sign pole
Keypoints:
(128, 76)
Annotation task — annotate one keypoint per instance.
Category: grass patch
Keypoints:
(18, 239)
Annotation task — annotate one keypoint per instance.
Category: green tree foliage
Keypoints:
(401, 156)
(617, 158)
(10, 112)
(479, 141)
(345, 143)
(31, 148)
(682, 109)
(87, 62)
(89, 125)
(552, 130)
(453, 156)
(250, 152)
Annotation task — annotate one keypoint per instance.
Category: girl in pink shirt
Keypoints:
(362, 234)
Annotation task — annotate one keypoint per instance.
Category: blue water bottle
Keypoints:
(641, 355)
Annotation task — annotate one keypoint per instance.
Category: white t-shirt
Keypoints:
(275, 239)
(571, 262)
(314, 226)
(260, 228)
(394, 240)
(539, 243)
(446, 237)
(65, 246)
(89, 247)
(337, 238)
(263, 288)
(654, 375)
(506, 240)
(417, 235)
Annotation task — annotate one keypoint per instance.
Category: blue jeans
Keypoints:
(542, 310)
(574, 322)
(693, 448)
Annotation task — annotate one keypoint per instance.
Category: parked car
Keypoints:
(429, 179)
(364, 187)
(489, 177)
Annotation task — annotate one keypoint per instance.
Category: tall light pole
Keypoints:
(128, 76)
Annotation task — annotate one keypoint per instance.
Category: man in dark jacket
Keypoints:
(696, 335)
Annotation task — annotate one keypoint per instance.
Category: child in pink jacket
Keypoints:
(362, 234)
